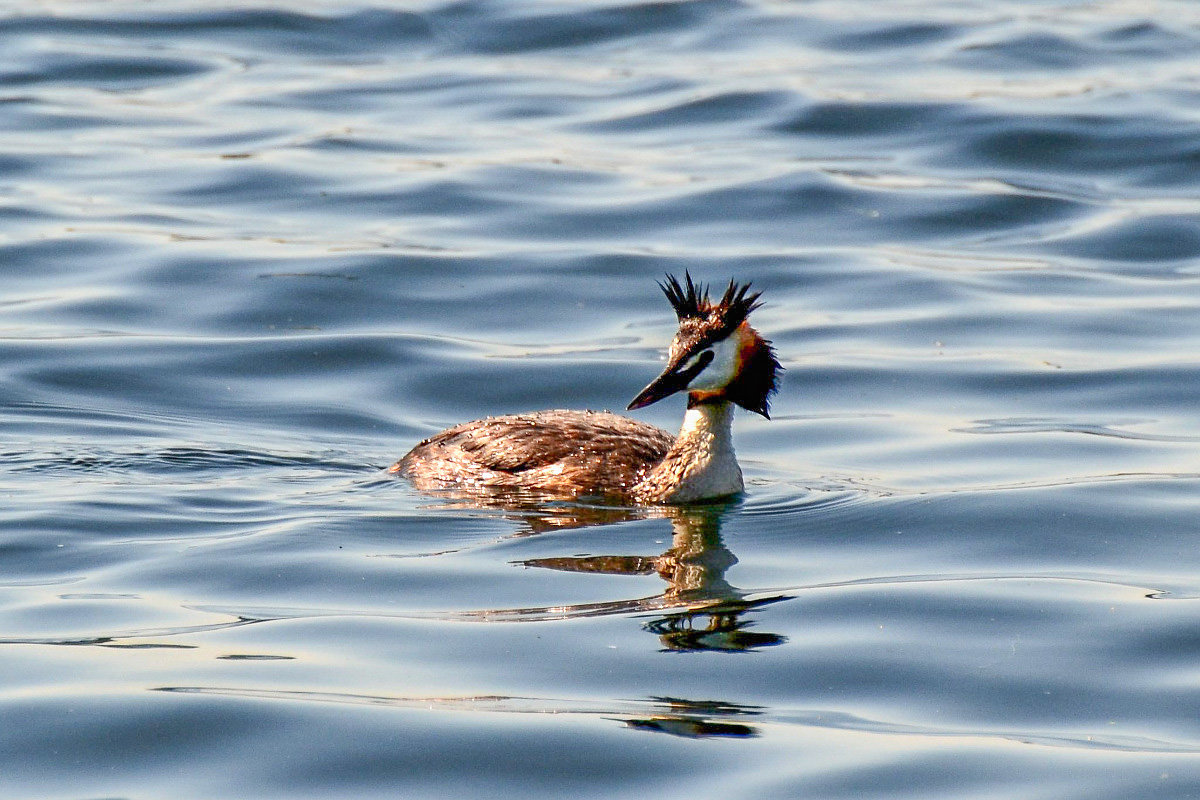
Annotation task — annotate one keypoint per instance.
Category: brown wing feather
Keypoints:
(564, 452)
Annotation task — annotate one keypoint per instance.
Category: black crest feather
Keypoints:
(691, 301)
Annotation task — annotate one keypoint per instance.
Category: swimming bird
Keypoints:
(715, 356)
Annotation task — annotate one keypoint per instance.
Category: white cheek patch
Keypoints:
(722, 369)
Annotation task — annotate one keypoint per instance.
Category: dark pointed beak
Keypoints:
(664, 385)
(673, 379)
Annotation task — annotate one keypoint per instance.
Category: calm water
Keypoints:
(250, 253)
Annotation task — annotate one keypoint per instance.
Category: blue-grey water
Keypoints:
(251, 252)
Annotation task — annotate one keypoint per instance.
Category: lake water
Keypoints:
(251, 252)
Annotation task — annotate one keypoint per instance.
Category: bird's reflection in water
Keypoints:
(697, 611)
(706, 613)
(711, 612)
(694, 719)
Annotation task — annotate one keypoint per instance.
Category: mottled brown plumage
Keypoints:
(559, 452)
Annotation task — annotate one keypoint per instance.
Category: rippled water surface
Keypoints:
(250, 253)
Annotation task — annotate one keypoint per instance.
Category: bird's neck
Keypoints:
(701, 464)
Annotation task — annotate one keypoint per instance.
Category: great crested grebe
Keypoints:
(715, 356)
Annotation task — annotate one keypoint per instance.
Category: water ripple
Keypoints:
(996, 426)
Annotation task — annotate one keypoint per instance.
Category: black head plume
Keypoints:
(691, 301)
(737, 304)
